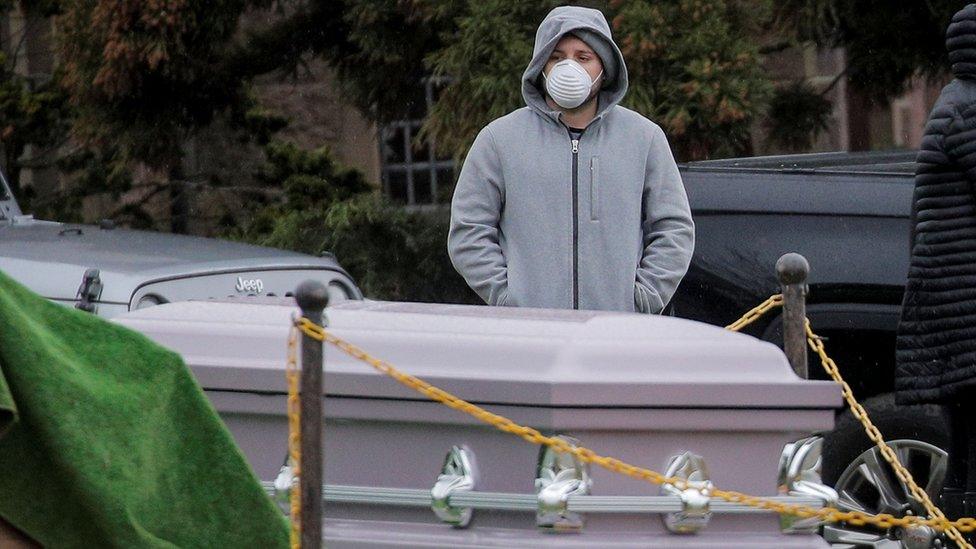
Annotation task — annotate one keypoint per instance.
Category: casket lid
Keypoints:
(529, 357)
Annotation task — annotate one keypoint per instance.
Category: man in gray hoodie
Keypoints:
(572, 202)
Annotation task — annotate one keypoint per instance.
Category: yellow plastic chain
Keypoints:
(294, 437)
(816, 343)
(756, 313)
(937, 520)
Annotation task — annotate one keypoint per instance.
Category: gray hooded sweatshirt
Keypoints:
(540, 221)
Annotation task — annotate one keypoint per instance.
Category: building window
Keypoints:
(413, 173)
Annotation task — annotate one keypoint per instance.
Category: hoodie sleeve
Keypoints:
(476, 209)
(669, 233)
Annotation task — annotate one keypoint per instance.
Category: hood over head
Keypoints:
(961, 42)
(590, 26)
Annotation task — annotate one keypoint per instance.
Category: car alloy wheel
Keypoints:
(870, 485)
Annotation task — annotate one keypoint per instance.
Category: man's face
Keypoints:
(571, 47)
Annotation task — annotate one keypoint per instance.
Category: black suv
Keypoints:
(849, 215)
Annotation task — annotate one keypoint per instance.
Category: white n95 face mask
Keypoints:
(569, 84)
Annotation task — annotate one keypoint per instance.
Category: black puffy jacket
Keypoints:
(936, 346)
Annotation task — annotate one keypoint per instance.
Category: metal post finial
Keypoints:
(312, 297)
(792, 270)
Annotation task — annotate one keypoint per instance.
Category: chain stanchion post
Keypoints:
(792, 270)
(312, 298)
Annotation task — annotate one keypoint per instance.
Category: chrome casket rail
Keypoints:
(411, 497)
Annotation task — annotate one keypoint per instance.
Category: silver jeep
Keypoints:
(108, 270)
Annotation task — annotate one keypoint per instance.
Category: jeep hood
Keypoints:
(51, 258)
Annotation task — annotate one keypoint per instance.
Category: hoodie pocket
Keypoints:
(595, 188)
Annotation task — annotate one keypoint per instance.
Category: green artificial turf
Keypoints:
(106, 440)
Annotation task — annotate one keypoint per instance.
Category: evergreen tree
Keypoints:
(143, 75)
(696, 69)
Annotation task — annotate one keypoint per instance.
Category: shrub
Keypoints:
(393, 254)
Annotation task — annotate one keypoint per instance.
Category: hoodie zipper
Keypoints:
(575, 144)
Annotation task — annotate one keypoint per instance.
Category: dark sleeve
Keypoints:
(960, 140)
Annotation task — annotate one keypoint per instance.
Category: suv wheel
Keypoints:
(865, 482)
